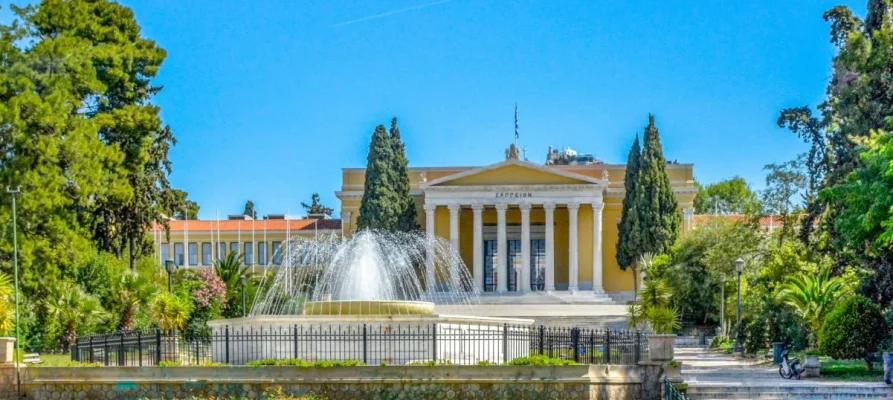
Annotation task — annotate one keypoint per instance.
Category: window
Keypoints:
(249, 253)
(178, 253)
(277, 255)
(165, 252)
(262, 253)
(206, 253)
(221, 250)
(234, 248)
(193, 254)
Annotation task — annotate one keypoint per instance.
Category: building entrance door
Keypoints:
(489, 262)
(514, 264)
(537, 264)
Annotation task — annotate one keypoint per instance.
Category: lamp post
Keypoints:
(244, 281)
(722, 303)
(15, 267)
(169, 266)
(739, 267)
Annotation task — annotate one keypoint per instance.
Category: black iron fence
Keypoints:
(373, 344)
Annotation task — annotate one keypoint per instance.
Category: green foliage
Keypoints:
(7, 304)
(182, 207)
(628, 229)
(387, 204)
(297, 362)
(73, 310)
(728, 196)
(315, 207)
(170, 311)
(813, 296)
(656, 204)
(430, 363)
(663, 319)
(230, 271)
(250, 210)
(853, 329)
(540, 361)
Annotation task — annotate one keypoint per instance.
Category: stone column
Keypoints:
(572, 270)
(597, 284)
(478, 263)
(550, 246)
(501, 250)
(455, 279)
(524, 285)
(687, 216)
(430, 209)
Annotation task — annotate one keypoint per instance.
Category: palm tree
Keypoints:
(171, 312)
(230, 271)
(7, 308)
(134, 293)
(73, 309)
(813, 296)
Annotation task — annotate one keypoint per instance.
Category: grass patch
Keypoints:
(541, 361)
(297, 362)
(850, 370)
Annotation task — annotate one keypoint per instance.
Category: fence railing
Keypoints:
(671, 392)
(371, 343)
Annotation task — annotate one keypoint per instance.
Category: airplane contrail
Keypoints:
(385, 14)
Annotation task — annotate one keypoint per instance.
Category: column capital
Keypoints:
(598, 206)
(549, 206)
(525, 207)
(574, 206)
(688, 212)
(429, 207)
(477, 207)
(453, 207)
(502, 207)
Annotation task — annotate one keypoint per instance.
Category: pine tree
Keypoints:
(381, 206)
(407, 218)
(250, 210)
(656, 205)
(629, 233)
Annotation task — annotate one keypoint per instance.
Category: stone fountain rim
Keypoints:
(266, 320)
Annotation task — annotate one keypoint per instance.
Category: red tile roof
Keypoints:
(246, 225)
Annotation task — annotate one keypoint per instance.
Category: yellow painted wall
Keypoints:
(614, 279)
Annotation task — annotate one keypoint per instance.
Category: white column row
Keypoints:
(501, 266)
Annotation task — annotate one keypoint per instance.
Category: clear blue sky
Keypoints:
(270, 99)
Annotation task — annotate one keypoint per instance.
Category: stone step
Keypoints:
(780, 396)
(744, 392)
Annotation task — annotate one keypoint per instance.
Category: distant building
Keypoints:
(569, 156)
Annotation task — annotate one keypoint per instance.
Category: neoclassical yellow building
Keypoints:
(521, 226)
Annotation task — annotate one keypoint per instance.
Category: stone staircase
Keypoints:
(716, 375)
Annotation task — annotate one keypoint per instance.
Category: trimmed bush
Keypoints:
(297, 362)
(540, 361)
(854, 328)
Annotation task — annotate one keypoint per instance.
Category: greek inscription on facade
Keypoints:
(514, 195)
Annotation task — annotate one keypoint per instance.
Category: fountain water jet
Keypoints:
(375, 281)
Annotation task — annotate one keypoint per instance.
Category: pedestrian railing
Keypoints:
(370, 343)
(671, 392)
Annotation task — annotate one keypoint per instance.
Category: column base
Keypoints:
(598, 290)
(573, 290)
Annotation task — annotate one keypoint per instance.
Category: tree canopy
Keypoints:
(387, 203)
(728, 196)
(315, 207)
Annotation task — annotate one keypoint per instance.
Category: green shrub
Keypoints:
(297, 362)
(854, 328)
(541, 360)
(485, 363)
(170, 363)
(431, 363)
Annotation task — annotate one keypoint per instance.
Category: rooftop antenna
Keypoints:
(524, 153)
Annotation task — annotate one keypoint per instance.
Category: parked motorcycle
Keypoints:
(790, 368)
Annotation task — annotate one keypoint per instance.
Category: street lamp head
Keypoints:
(243, 279)
(739, 265)
(170, 266)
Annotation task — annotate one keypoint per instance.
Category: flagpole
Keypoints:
(253, 247)
(217, 250)
(185, 237)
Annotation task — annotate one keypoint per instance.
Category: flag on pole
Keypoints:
(516, 121)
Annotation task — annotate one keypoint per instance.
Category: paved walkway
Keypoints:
(715, 375)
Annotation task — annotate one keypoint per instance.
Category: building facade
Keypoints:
(198, 243)
(521, 226)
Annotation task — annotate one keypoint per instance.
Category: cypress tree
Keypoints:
(381, 206)
(656, 205)
(407, 218)
(629, 233)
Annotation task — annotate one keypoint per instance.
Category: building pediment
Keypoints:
(512, 172)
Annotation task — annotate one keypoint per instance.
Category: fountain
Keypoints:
(330, 296)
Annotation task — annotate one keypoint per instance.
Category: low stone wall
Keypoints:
(640, 382)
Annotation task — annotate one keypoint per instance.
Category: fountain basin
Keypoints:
(368, 307)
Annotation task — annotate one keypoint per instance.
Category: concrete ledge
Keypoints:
(480, 382)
